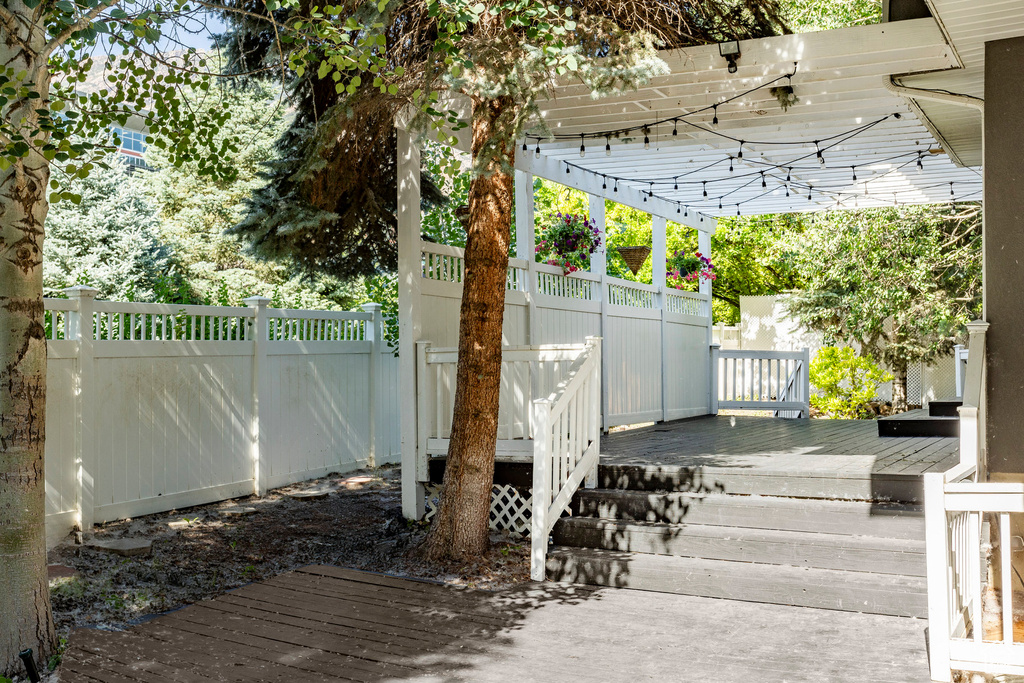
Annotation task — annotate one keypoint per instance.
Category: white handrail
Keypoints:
(957, 504)
(566, 447)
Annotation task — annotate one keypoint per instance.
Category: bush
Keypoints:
(846, 383)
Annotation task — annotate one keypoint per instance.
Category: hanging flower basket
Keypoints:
(567, 241)
(634, 257)
(683, 269)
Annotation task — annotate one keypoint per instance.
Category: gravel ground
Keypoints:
(200, 553)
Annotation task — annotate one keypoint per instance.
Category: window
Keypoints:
(132, 141)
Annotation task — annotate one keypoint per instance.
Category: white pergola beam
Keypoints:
(591, 183)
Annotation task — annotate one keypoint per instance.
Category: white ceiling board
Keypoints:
(840, 79)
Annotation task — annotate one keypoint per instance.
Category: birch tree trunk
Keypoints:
(460, 529)
(25, 619)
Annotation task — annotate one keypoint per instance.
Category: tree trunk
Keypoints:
(899, 386)
(460, 529)
(25, 620)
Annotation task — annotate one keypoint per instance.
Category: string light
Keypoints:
(677, 184)
(739, 155)
(854, 169)
(951, 190)
(567, 169)
(675, 127)
(920, 162)
(604, 182)
(730, 164)
(764, 183)
(737, 209)
(821, 159)
(583, 147)
(706, 188)
(525, 148)
(809, 189)
(686, 211)
(714, 121)
(536, 153)
(787, 190)
(789, 174)
(607, 146)
(616, 188)
(647, 139)
(719, 203)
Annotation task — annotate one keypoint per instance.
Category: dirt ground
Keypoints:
(200, 553)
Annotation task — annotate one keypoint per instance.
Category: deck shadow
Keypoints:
(318, 624)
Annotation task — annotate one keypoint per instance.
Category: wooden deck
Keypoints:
(806, 458)
(330, 624)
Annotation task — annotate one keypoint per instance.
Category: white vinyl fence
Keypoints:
(153, 407)
(656, 363)
(761, 380)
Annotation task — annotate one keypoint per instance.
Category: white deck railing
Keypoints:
(566, 447)
(761, 380)
(957, 506)
(526, 373)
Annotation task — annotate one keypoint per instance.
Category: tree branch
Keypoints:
(79, 25)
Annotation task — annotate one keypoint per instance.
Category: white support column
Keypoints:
(526, 242)
(659, 254)
(599, 259)
(374, 335)
(80, 328)
(409, 325)
(704, 247)
(260, 388)
(525, 237)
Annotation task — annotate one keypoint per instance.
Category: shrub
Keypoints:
(846, 382)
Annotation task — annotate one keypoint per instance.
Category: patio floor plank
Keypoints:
(538, 632)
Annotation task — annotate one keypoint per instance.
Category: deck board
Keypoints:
(333, 624)
(770, 444)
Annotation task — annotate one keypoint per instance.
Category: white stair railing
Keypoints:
(957, 506)
(566, 447)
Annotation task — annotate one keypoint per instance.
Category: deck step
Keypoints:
(918, 423)
(804, 483)
(767, 546)
(891, 520)
(945, 407)
(777, 584)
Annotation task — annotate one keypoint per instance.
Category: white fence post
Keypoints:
(595, 414)
(937, 558)
(805, 383)
(80, 328)
(260, 375)
(374, 333)
(713, 388)
(541, 488)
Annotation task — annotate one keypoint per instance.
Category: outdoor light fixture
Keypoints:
(607, 146)
(731, 51)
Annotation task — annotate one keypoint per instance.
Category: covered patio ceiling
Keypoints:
(875, 148)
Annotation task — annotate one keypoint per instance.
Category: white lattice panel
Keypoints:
(510, 510)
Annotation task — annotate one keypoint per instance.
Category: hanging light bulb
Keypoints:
(809, 188)
(855, 201)
(730, 164)
(719, 202)
(714, 121)
(616, 188)
(567, 170)
(608, 146)
(706, 187)
(675, 127)
(789, 174)
(686, 211)
(677, 184)
(678, 209)
(645, 197)
(525, 148)
(536, 153)
(821, 159)
(854, 169)
(739, 155)
(920, 162)
(787, 190)
(604, 182)
(583, 147)
(737, 209)
(647, 139)
(764, 183)
(951, 190)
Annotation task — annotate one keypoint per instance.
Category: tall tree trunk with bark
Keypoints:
(25, 619)
(460, 528)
